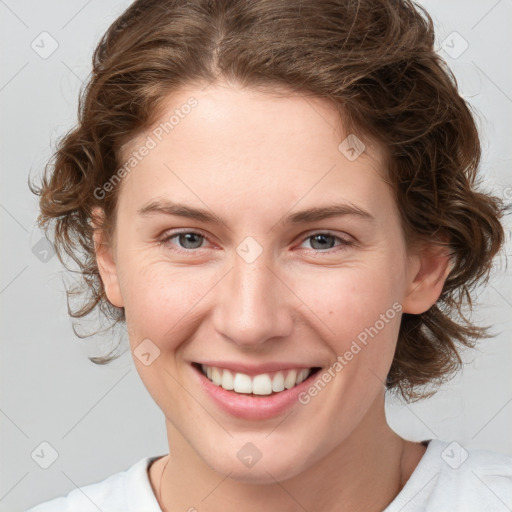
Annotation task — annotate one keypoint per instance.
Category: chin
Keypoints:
(261, 473)
(279, 462)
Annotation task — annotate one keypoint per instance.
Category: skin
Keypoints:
(253, 158)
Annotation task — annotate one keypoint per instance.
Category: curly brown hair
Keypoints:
(374, 60)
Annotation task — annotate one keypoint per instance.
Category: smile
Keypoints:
(261, 384)
(253, 392)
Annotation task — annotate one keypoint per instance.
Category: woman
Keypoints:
(278, 199)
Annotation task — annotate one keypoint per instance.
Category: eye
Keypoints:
(324, 241)
(186, 241)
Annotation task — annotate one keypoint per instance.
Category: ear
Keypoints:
(429, 267)
(106, 261)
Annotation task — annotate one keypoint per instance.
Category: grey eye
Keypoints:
(322, 241)
(190, 240)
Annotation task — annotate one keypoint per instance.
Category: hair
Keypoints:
(373, 60)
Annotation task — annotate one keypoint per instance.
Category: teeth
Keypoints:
(216, 376)
(227, 381)
(290, 379)
(302, 376)
(278, 382)
(242, 383)
(263, 384)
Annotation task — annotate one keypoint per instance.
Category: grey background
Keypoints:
(101, 420)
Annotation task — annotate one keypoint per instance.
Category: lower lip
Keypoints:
(253, 407)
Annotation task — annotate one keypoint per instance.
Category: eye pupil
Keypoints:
(323, 238)
(185, 238)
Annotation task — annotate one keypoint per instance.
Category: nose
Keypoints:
(253, 304)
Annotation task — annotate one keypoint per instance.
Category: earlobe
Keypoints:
(106, 262)
(430, 267)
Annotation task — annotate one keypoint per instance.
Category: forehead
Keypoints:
(232, 143)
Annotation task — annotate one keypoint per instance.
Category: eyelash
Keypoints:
(344, 244)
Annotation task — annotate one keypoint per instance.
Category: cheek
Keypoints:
(162, 304)
(359, 304)
(160, 299)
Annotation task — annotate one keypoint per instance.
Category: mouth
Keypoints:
(258, 385)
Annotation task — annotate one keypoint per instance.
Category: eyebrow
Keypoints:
(302, 217)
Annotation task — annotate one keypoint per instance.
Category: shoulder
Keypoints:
(457, 462)
(451, 477)
(127, 490)
(479, 474)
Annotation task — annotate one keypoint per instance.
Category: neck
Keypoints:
(363, 473)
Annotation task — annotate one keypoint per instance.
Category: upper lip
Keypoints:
(256, 369)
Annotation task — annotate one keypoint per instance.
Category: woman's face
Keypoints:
(224, 255)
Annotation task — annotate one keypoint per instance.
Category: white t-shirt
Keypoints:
(447, 479)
